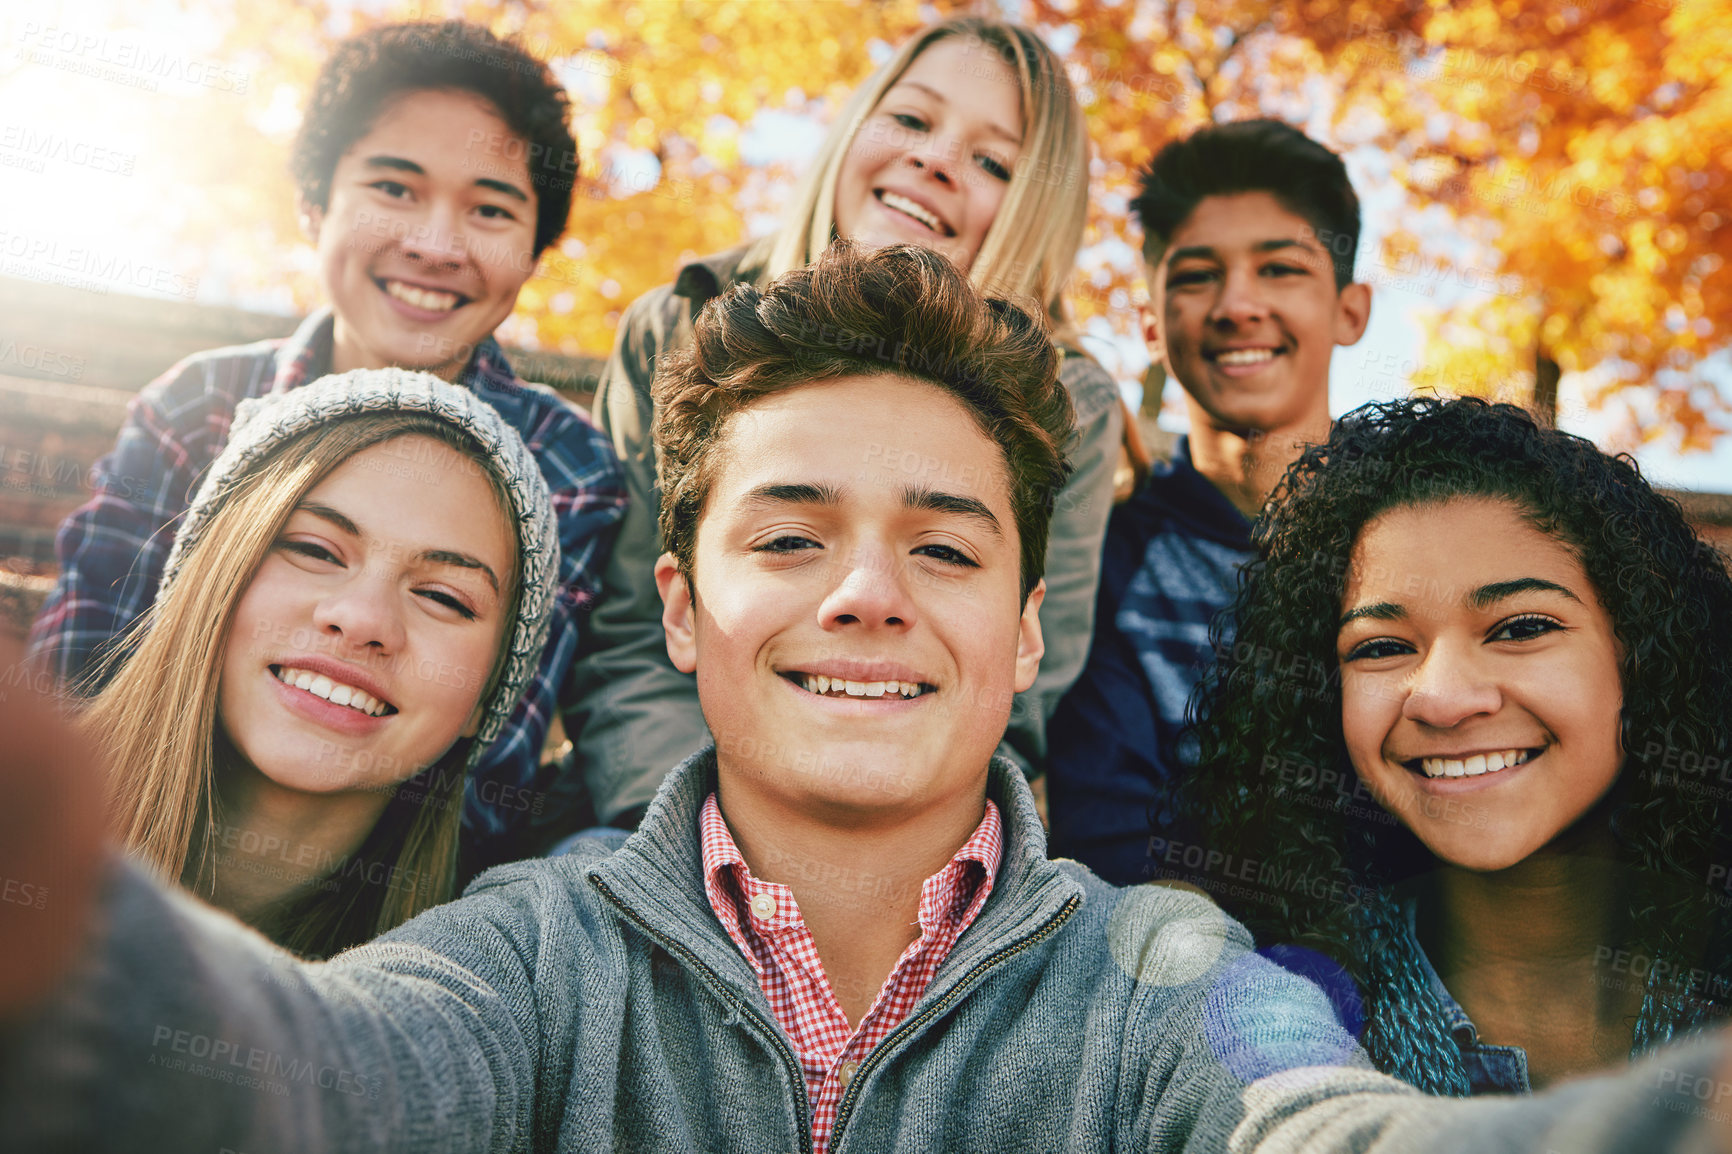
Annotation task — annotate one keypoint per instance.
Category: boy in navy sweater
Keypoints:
(1249, 234)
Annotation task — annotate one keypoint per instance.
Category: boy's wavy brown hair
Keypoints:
(901, 310)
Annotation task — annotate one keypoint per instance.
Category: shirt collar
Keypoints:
(726, 873)
(1461, 1027)
(701, 279)
(305, 356)
(1175, 492)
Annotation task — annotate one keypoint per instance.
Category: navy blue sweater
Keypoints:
(1170, 564)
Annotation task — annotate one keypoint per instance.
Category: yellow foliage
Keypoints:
(1584, 150)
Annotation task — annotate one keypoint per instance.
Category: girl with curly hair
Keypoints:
(1469, 742)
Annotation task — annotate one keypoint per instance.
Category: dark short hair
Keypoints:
(903, 310)
(368, 71)
(1251, 156)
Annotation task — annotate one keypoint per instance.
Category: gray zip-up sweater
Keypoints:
(594, 1003)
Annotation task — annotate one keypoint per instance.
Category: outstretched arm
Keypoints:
(176, 1028)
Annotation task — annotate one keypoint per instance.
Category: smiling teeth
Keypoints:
(839, 687)
(333, 691)
(1245, 356)
(902, 204)
(430, 299)
(1479, 763)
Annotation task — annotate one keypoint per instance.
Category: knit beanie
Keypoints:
(264, 424)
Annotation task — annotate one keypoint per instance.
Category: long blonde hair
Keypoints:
(1030, 249)
(156, 721)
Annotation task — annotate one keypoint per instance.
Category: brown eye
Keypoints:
(450, 602)
(948, 555)
(1377, 647)
(787, 543)
(309, 549)
(1525, 628)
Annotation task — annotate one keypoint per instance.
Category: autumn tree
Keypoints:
(1567, 164)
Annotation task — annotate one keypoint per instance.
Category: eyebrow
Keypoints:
(1488, 595)
(436, 556)
(462, 561)
(1208, 251)
(913, 497)
(1482, 598)
(931, 500)
(991, 126)
(785, 493)
(403, 164)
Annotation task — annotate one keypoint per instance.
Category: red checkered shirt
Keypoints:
(765, 923)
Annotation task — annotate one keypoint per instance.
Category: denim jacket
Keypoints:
(1490, 1069)
(593, 1002)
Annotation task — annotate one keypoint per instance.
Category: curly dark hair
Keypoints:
(1250, 156)
(1274, 782)
(369, 70)
(903, 310)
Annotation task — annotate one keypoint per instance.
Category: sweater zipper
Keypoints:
(804, 1115)
(846, 1107)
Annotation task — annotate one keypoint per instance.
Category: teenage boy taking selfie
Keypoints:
(836, 930)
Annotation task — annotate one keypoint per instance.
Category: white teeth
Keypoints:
(1244, 356)
(333, 691)
(837, 686)
(429, 299)
(902, 204)
(1475, 766)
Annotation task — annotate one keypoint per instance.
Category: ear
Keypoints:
(1151, 330)
(679, 616)
(312, 218)
(1030, 646)
(1352, 313)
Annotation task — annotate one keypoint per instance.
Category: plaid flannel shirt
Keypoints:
(766, 925)
(112, 549)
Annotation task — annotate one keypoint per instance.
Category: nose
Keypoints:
(871, 590)
(1449, 687)
(362, 613)
(1241, 300)
(938, 156)
(435, 239)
